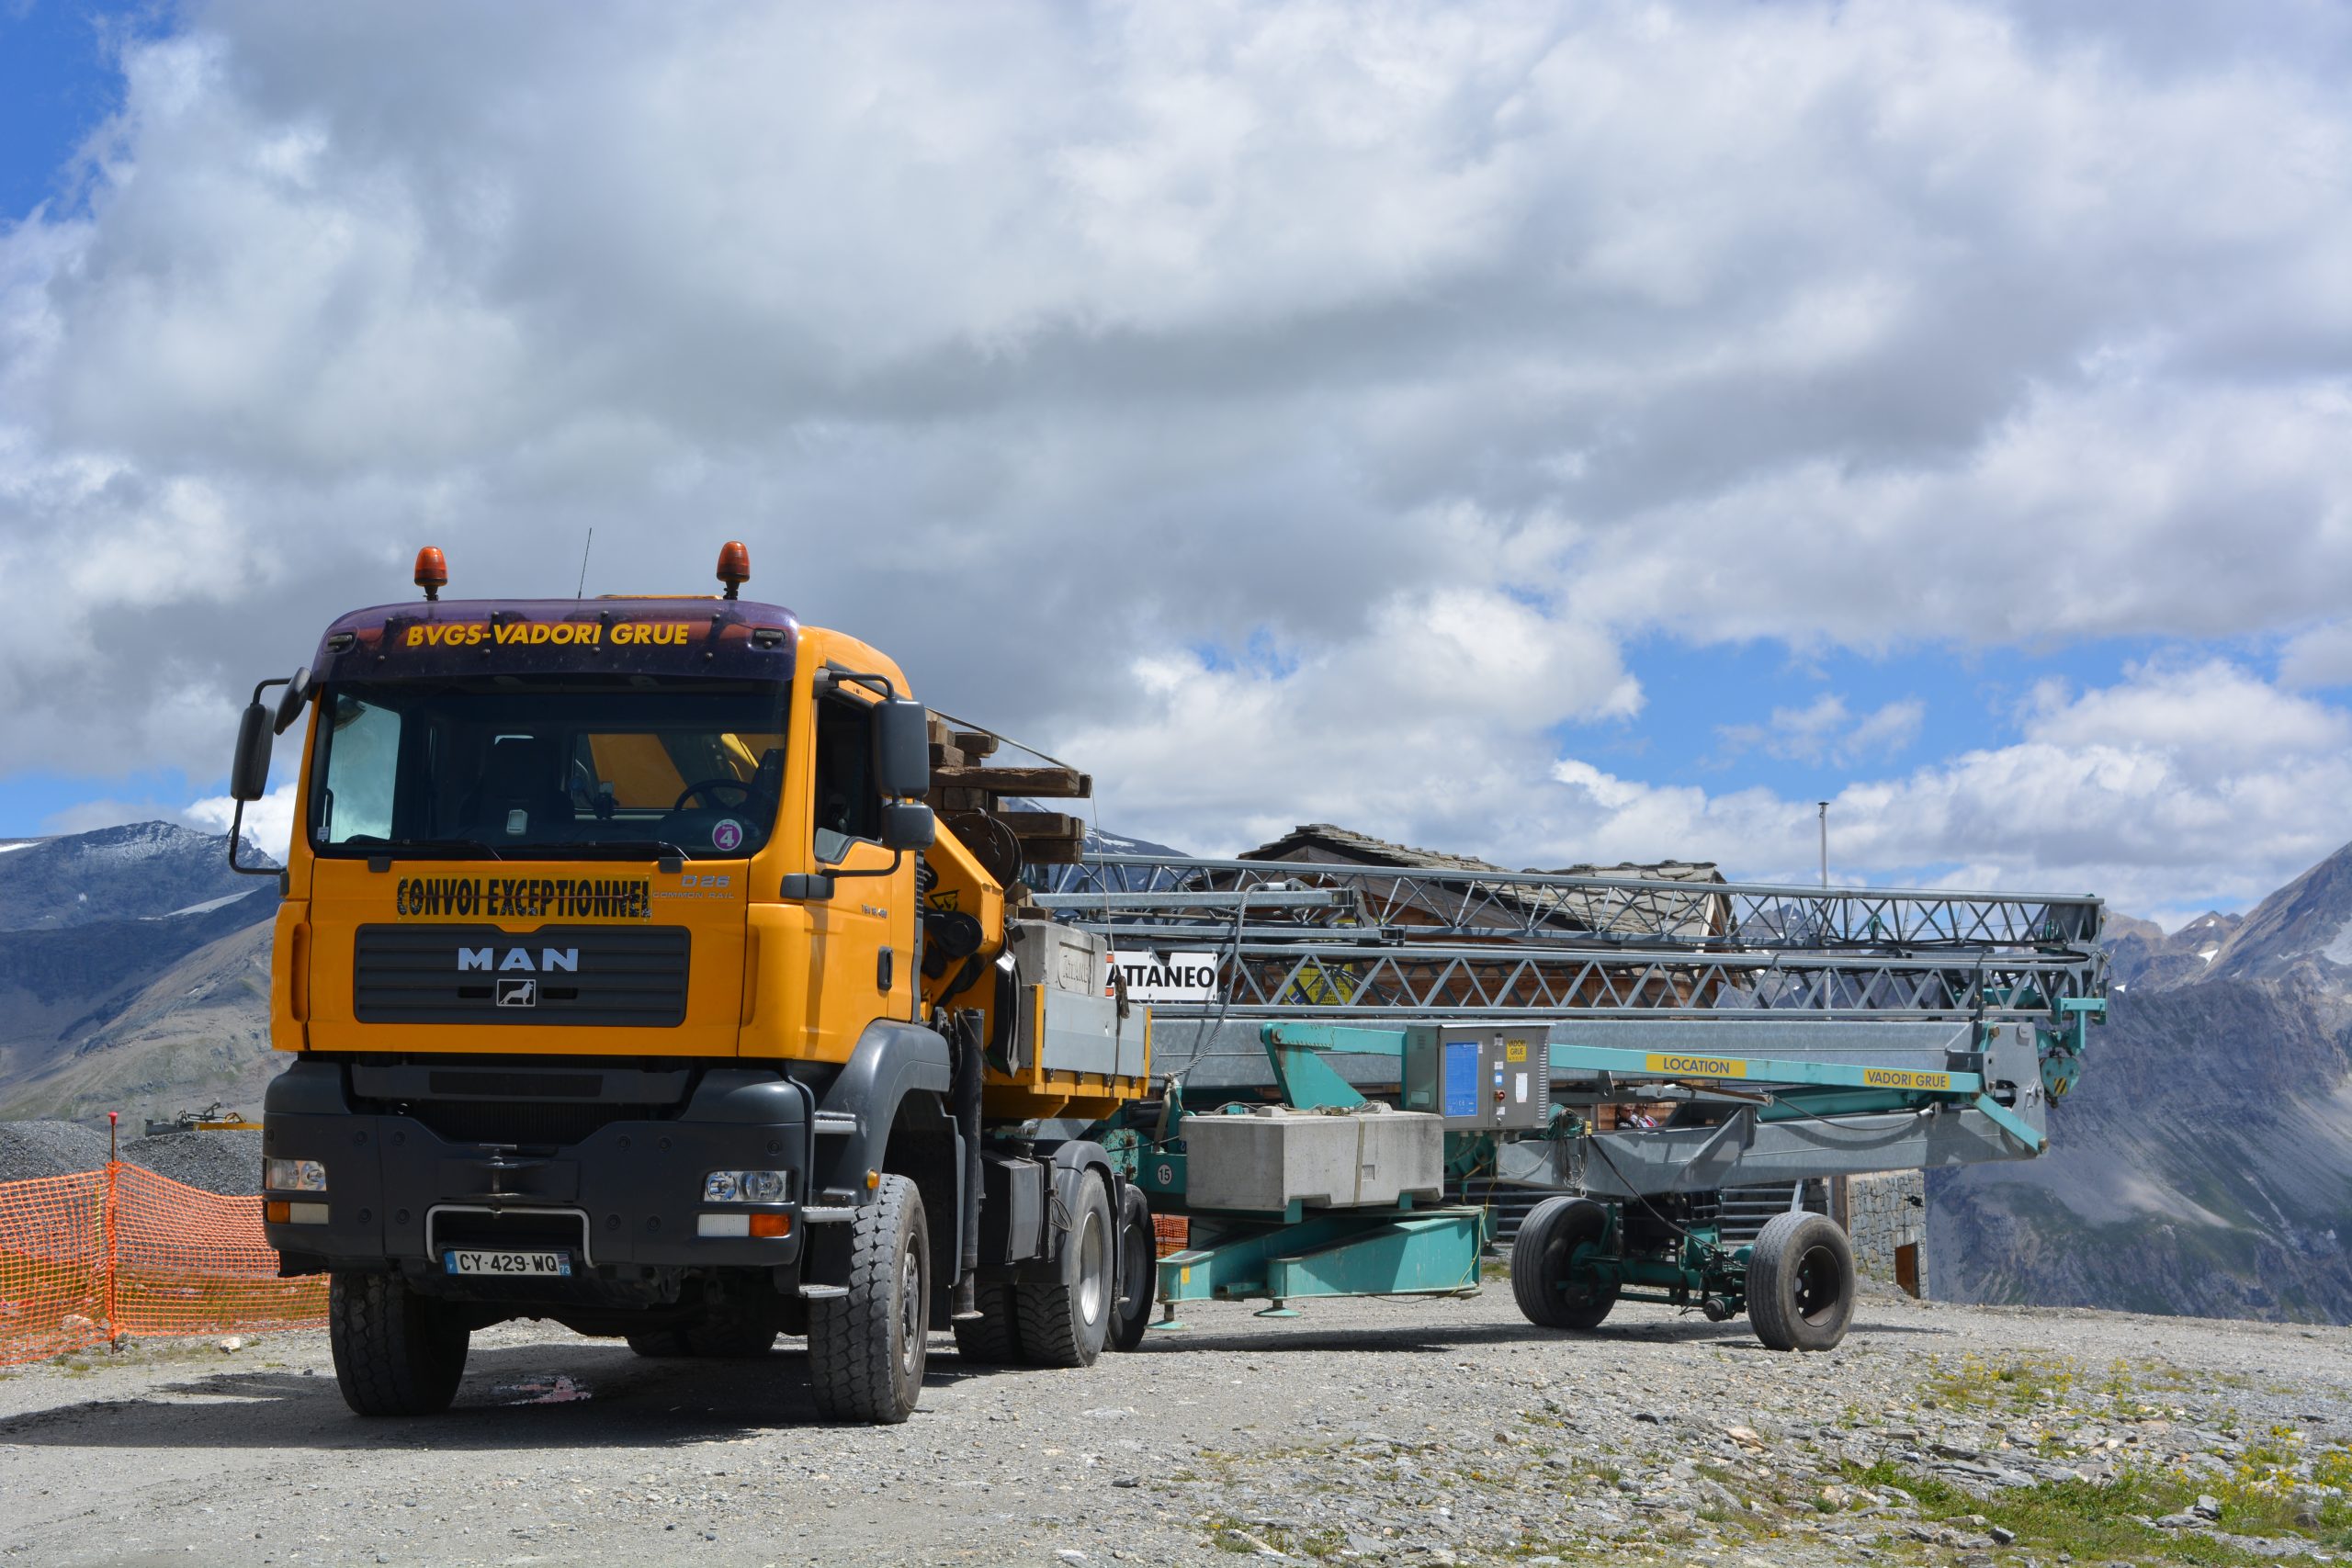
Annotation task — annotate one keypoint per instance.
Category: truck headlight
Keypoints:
(747, 1187)
(293, 1175)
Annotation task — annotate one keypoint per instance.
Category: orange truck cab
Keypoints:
(629, 983)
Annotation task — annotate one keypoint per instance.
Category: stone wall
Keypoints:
(1886, 1214)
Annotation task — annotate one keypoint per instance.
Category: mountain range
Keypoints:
(2202, 1166)
(134, 974)
(2204, 1163)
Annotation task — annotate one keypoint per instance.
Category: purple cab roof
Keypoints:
(723, 638)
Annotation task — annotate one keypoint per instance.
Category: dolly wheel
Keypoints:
(1801, 1282)
(1543, 1279)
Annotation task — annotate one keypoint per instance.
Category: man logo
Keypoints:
(518, 993)
(551, 959)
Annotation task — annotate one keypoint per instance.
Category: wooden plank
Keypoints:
(1042, 824)
(1053, 852)
(976, 743)
(1044, 784)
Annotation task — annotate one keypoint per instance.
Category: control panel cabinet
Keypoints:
(1480, 1077)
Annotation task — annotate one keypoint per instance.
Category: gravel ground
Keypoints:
(30, 1150)
(1406, 1432)
(226, 1163)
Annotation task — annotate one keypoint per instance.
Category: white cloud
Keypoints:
(1306, 409)
(2215, 716)
(2171, 790)
(268, 822)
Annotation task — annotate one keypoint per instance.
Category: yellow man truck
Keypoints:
(630, 983)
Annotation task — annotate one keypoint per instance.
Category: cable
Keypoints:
(1009, 740)
(1225, 1002)
(1608, 1159)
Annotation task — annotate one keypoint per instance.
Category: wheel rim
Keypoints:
(909, 1312)
(1092, 1260)
(1816, 1284)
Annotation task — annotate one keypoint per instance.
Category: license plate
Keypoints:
(507, 1264)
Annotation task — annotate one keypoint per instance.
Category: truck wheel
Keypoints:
(396, 1352)
(867, 1348)
(1138, 1270)
(1064, 1321)
(1541, 1279)
(993, 1339)
(1801, 1282)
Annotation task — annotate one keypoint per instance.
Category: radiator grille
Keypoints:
(612, 975)
(507, 1085)
(522, 1123)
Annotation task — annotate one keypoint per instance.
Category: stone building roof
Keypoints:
(1619, 910)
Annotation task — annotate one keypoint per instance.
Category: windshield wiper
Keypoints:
(423, 849)
(606, 849)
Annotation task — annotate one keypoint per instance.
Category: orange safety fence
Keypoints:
(124, 1251)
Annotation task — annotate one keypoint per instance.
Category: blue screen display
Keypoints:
(1462, 1078)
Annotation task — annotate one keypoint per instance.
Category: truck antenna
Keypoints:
(581, 591)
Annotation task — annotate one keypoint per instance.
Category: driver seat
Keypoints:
(518, 790)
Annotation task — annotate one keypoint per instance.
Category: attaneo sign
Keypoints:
(523, 897)
(1167, 976)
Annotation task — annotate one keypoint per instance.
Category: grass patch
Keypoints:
(2015, 1384)
(1230, 1534)
(2095, 1521)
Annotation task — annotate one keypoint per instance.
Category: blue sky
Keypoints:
(57, 83)
(1556, 431)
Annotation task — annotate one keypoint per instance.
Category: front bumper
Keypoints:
(399, 1194)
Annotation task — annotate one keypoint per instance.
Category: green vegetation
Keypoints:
(2103, 1520)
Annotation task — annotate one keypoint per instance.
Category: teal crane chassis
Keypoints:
(1791, 1034)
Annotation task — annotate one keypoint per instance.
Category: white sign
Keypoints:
(1167, 976)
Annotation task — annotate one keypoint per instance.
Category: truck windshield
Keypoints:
(506, 766)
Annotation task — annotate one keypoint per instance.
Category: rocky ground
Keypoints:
(223, 1162)
(1406, 1432)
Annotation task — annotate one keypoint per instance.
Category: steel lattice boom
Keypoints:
(1299, 939)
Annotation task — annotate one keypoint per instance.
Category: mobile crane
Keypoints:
(634, 981)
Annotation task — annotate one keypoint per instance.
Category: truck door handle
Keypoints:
(882, 970)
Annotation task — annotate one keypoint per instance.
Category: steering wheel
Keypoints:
(701, 786)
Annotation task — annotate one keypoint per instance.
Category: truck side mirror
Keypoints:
(290, 705)
(903, 748)
(907, 824)
(249, 769)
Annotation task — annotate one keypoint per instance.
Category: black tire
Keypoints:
(866, 1349)
(661, 1344)
(1801, 1282)
(1064, 1321)
(993, 1339)
(1138, 1270)
(1540, 1266)
(396, 1352)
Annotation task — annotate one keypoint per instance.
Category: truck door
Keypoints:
(862, 967)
